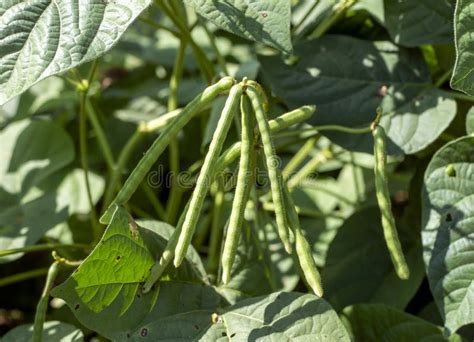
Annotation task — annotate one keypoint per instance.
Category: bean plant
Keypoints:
(201, 170)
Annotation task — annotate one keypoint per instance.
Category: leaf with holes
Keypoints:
(267, 22)
(463, 74)
(448, 231)
(41, 38)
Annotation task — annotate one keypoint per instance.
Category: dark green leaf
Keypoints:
(381, 323)
(359, 242)
(262, 21)
(448, 213)
(414, 23)
(463, 75)
(349, 78)
(53, 331)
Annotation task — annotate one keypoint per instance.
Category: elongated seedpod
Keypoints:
(160, 144)
(207, 171)
(242, 192)
(272, 166)
(383, 199)
(303, 249)
(166, 257)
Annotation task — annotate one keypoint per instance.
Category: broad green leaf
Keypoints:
(470, 121)
(463, 75)
(358, 266)
(53, 331)
(33, 153)
(348, 79)
(105, 292)
(41, 38)
(282, 316)
(448, 228)
(381, 323)
(267, 22)
(414, 23)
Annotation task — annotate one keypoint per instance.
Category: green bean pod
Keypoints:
(167, 256)
(303, 249)
(207, 171)
(242, 192)
(273, 172)
(383, 199)
(159, 145)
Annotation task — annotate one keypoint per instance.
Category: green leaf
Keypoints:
(448, 214)
(105, 292)
(33, 152)
(53, 331)
(463, 74)
(267, 22)
(470, 121)
(348, 79)
(282, 316)
(359, 242)
(414, 23)
(377, 322)
(43, 38)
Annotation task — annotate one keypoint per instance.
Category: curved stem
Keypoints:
(45, 247)
(42, 306)
(16, 278)
(85, 165)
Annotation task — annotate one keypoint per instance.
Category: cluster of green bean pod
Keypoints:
(256, 131)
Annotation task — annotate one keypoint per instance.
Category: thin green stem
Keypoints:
(122, 161)
(309, 168)
(85, 165)
(155, 203)
(305, 16)
(458, 96)
(157, 26)
(443, 78)
(337, 12)
(99, 132)
(44, 247)
(213, 41)
(42, 306)
(216, 229)
(174, 200)
(298, 158)
(16, 278)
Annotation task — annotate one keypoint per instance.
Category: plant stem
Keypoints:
(305, 16)
(23, 276)
(42, 306)
(299, 157)
(155, 203)
(338, 10)
(311, 213)
(316, 129)
(103, 143)
(443, 78)
(212, 39)
(216, 229)
(458, 96)
(174, 200)
(309, 168)
(44, 247)
(97, 231)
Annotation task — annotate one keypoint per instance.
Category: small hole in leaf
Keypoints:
(449, 217)
(264, 14)
(232, 335)
(128, 335)
(196, 327)
(144, 332)
(224, 334)
(77, 307)
(118, 257)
